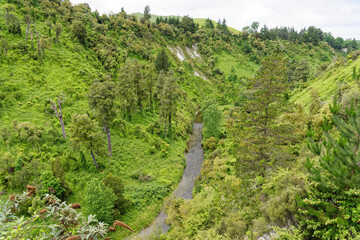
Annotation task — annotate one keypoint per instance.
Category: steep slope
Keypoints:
(339, 72)
(65, 49)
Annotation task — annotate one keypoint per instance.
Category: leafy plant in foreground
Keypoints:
(332, 207)
(58, 220)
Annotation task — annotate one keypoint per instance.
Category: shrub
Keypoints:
(116, 185)
(100, 201)
(50, 184)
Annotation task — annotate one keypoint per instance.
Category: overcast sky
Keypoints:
(340, 17)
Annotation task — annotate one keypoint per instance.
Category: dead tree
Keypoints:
(57, 112)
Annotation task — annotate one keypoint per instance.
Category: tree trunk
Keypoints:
(165, 131)
(107, 130)
(62, 126)
(94, 160)
(27, 30)
(7, 17)
(170, 125)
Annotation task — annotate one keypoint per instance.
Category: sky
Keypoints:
(340, 17)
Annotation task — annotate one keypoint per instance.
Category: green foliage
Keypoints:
(131, 87)
(168, 94)
(315, 103)
(331, 201)
(188, 24)
(93, 46)
(115, 184)
(101, 99)
(339, 72)
(3, 180)
(100, 201)
(50, 184)
(64, 221)
(280, 194)
(232, 226)
(83, 132)
(79, 30)
(255, 132)
(210, 143)
(338, 164)
(162, 61)
(212, 121)
(147, 14)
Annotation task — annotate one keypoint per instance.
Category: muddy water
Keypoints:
(194, 158)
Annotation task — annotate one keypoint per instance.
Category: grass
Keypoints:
(328, 83)
(239, 65)
(69, 69)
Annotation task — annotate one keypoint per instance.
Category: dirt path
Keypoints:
(194, 159)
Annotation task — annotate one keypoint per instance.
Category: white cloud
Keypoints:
(340, 17)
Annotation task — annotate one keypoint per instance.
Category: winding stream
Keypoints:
(194, 158)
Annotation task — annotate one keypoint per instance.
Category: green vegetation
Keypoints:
(70, 77)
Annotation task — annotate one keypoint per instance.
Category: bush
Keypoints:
(212, 121)
(210, 143)
(50, 184)
(100, 201)
(116, 185)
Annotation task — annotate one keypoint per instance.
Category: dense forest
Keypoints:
(96, 112)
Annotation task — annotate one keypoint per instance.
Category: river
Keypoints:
(194, 158)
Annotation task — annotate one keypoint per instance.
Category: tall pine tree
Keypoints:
(256, 133)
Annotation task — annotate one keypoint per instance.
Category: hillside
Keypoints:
(126, 92)
(338, 74)
(200, 21)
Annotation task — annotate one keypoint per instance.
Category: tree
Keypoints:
(79, 31)
(6, 161)
(302, 71)
(147, 14)
(339, 163)
(254, 27)
(209, 24)
(83, 132)
(355, 76)
(212, 121)
(115, 184)
(30, 133)
(102, 100)
(4, 46)
(100, 200)
(168, 96)
(131, 87)
(14, 25)
(28, 18)
(334, 196)
(187, 23)
(8, 8)
(57, 112)
(338, 43)
(58, 30)
(162, 61)
(255, 132)
(5, 136)
(150, 84)
(315, 102)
